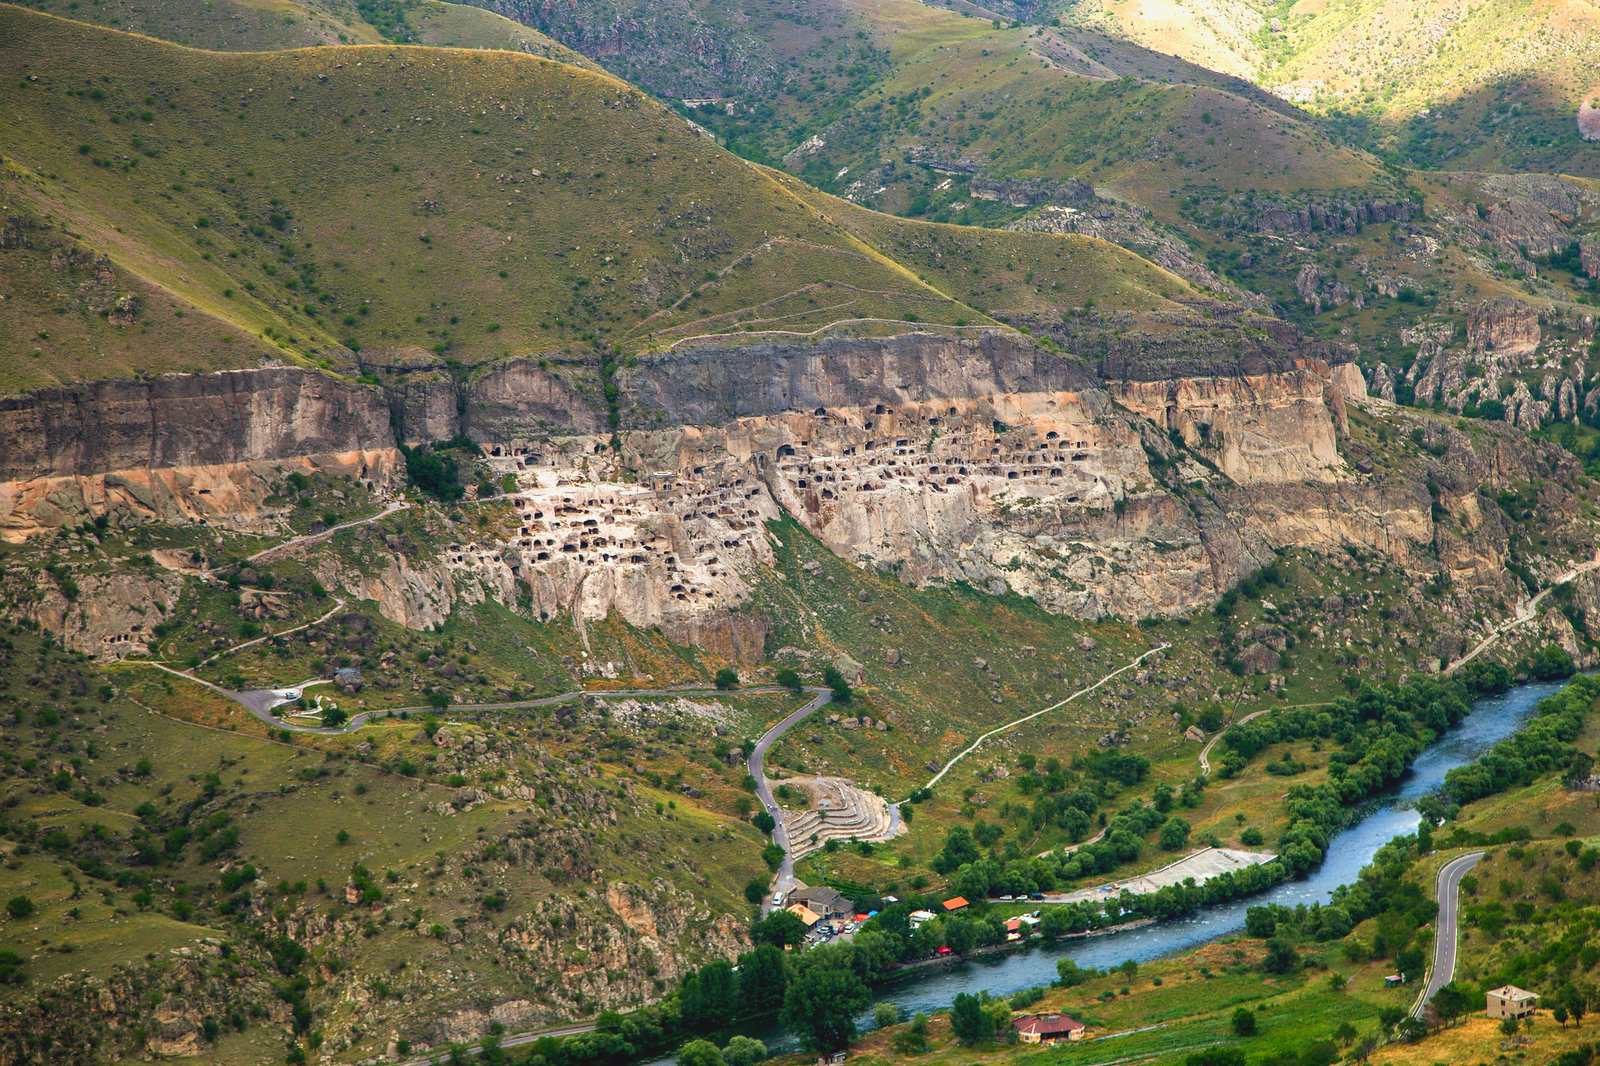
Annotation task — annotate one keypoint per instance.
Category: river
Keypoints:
(1492, 719)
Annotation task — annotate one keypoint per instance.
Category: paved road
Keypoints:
(1525, 614)
(783, 880)
(1448, 889)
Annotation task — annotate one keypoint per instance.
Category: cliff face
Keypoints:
(181, 447)
(986, 460)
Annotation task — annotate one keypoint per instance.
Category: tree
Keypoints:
(1244, 1022)
(763, 978)
(835, 680)
(1451, 1002)
(780, 928)
(334, 717)
(1070, 975)
(1281, 956)
(913, 1039)
(727, 679)
(700, 1053)
(969, 1021)
(755, 890)
(789, 679)
(764, 822)
(744, 1051)
(822, 1002)
(885, 1014)
(1508, 1026)
(19, 907)
(1174, 834)
(709, 996)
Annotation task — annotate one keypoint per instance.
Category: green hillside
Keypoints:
(1485, 86)
(485, 204)
(1037, 102)
(268, 25)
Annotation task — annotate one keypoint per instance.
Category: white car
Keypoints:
(777, 900)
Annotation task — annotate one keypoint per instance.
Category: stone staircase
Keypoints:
(839, 811)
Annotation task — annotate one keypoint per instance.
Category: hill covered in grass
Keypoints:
(267, 25)
(1487, 86)
(482, 205)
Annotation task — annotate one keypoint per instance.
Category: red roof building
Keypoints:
(954, 903)
(1046, 1028)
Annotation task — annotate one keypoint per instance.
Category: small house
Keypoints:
(1509, 1001)
(954, 903)
(919, 918)
(824, 901)
(1047, 1028)
(807, 916)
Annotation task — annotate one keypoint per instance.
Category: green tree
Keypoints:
(969, 1021)
(709, 997)
(727, 679)
(1244, 1022)
(789, 679)
(835, 680)
(822, 1002)
(780, 928)
(913, 1039)
(1281, 956)
(1451, 1002)
(1174, 833)
(763, 978)
(700, 1053)
(744, 1051)
(19, 907)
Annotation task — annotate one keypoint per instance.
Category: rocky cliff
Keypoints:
(182, 447)
(1145, 486)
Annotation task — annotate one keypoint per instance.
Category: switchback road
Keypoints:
(783, 880)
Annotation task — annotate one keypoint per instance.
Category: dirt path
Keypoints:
(935, 779)
(313, 538)
(1525, 614)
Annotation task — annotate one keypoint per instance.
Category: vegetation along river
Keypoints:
(1493, 718)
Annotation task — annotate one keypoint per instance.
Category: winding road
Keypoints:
(783, 880)
(1448, 890)
(1526, 613)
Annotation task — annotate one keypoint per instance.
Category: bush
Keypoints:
(727, 679)
(20, 907)
(1244, 1022)
(835, 680)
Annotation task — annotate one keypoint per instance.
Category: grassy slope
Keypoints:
(1008, 272)
(485, 204)
(1032, 102)
(269, 25)
(1489, 86)
(1476, 86)
(55, 326)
